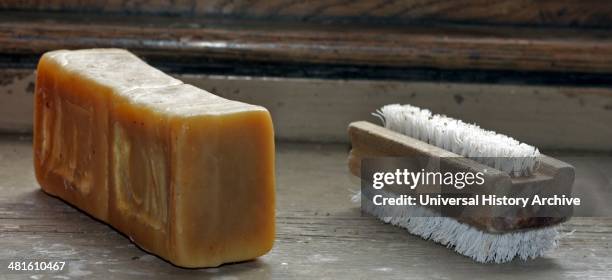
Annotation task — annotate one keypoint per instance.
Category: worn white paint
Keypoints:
(16, 100)
(319, 110)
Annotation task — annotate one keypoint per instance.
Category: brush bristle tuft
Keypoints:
(466, 240)
(469, 140)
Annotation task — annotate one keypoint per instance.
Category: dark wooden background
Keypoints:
(329, 37)
(587, 13)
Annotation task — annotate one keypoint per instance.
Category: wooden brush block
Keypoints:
(369, 140)
(187, 175)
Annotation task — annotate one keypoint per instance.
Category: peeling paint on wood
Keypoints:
(318, 110)
(16, 100)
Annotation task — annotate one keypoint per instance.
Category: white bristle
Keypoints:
(469, 140)
(466, 240)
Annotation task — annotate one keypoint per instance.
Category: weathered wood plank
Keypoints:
(439, 47)
(319, 110)
(16, 100)
(524, 12)
(321, 234)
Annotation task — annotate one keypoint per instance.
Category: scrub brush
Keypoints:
(410, 131)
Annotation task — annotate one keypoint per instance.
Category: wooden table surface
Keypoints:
(320, 234)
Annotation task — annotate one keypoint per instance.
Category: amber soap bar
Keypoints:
(187, 175)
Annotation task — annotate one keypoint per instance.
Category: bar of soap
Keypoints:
(187, 175)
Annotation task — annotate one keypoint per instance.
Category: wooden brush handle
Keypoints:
(369, 141)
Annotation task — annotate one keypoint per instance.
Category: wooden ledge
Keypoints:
(437, 47)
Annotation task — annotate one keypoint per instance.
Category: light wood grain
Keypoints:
(321, 234)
